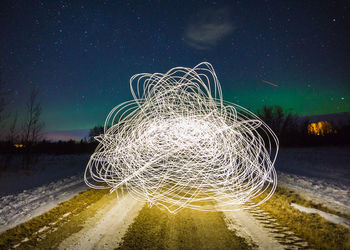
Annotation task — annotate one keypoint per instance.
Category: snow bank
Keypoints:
(330, 217)
(18, 208)
(331, 194)
(26, 192)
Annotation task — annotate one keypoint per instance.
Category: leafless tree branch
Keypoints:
(33, 126)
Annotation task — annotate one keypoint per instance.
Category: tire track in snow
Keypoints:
(107, 231)
(260, 228)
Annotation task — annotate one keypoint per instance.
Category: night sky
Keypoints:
(81, 54)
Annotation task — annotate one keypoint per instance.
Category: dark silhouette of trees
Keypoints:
(12, 135)
(32, 126)
(292, 130)
(95, 131)
(286, 125)
(277, 120)
(3, 101)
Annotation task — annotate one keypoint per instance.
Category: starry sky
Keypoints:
(81, 54)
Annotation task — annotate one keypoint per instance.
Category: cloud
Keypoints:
(207, 28)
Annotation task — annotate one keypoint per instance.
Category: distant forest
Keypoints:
(295, 131)
(292, 131)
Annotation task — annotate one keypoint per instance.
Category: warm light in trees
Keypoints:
(320, 128)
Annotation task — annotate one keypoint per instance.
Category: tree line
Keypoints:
(293, 130)
(26, 136)
(28, 133)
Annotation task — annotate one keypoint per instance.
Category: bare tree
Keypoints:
(2, 99)
(12, 135)
(32, 126)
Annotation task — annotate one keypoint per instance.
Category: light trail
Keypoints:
(179, 144)
(275, 85)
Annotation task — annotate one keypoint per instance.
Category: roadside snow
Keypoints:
(332, 194)
(18, 208)
(28, 191)
(330, 217)
(319, 174)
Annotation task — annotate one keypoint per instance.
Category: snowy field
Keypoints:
(26, 192)
(17, 177)
(329, 163)
(321, 174)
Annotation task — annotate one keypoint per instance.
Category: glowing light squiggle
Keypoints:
(178, 144)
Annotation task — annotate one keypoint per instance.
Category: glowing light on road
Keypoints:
(177, 144)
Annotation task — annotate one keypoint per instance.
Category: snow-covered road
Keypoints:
(261, 229)
(105, 231)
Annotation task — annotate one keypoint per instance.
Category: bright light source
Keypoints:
(178, 144)
(320, 128)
